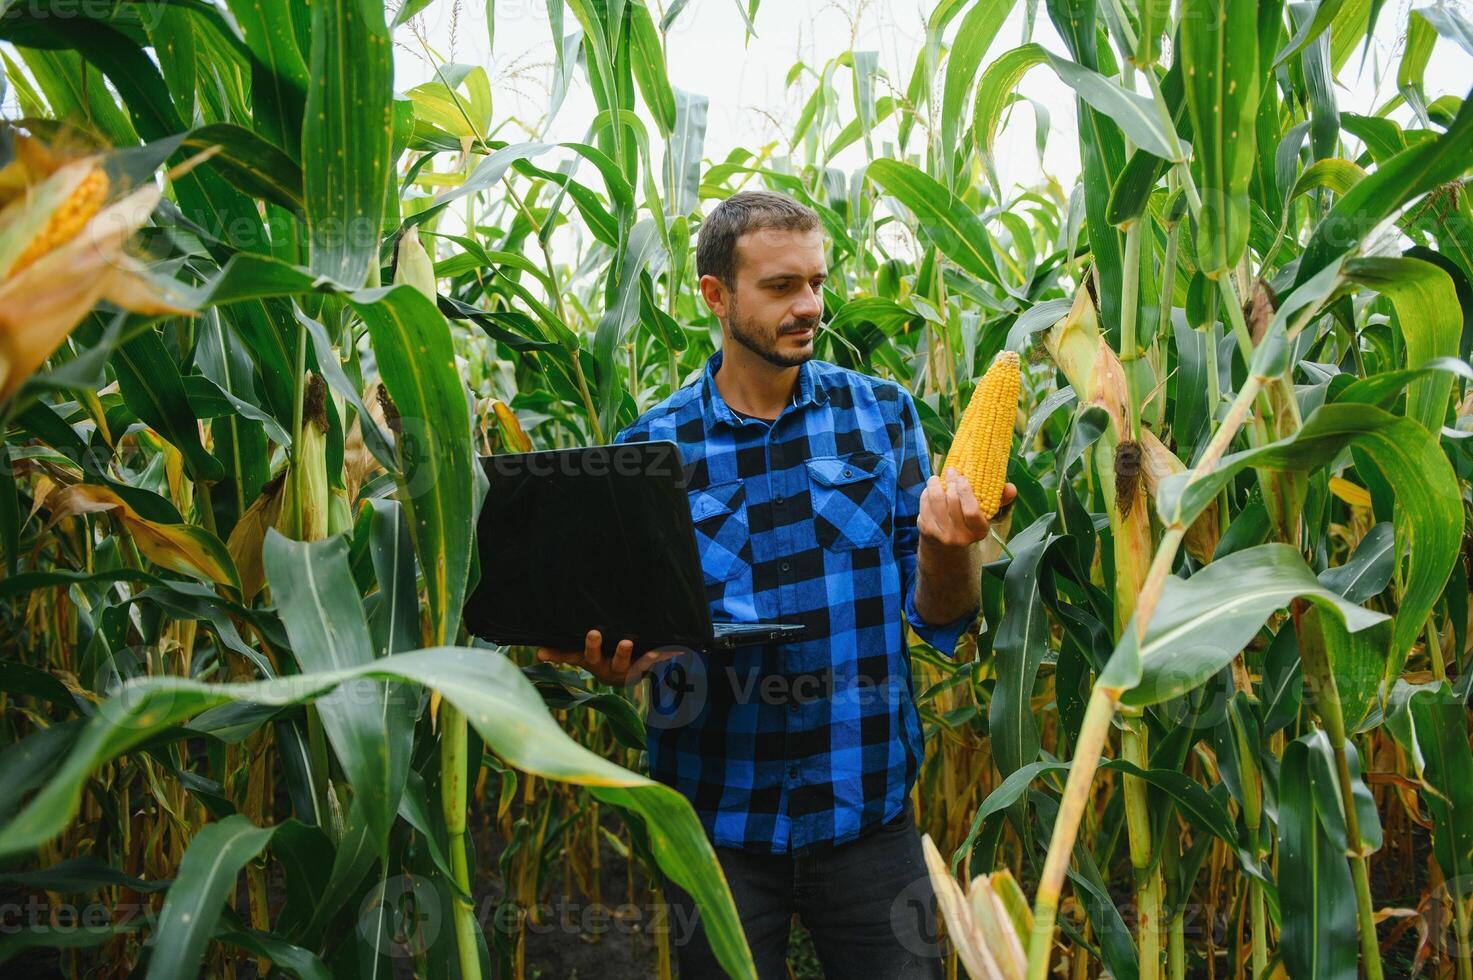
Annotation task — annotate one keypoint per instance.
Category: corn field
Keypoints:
(263, 304)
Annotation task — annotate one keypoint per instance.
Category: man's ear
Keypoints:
(713, 291)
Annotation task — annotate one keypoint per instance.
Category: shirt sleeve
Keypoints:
(915, 470)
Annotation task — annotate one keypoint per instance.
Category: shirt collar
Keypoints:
(716, 411)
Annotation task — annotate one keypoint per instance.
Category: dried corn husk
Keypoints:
(987, 924)
(42, 303)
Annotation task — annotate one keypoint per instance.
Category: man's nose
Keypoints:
(809, 304)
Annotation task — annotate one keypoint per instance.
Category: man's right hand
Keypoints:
(616, 670)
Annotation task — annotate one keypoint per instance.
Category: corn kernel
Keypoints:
(68, 219)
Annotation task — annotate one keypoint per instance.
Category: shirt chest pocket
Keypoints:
(853, 500)
(723, 537)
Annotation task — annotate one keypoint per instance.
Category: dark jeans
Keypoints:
(868, 905)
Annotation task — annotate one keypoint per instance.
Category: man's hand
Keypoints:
(949, 515)
(615, 670)
(950, 555)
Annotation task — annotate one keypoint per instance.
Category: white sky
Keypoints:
(745, 80)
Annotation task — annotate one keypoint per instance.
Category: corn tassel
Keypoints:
(985, 437)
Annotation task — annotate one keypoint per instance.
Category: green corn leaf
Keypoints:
(1369, 569)
(1315, 891)
(392, 611)
(1322, 15)
(1334, 174)
(498, 702)
(999, 79)
(1202, 622)
(1411, 173)
(279, 76)
(1451, 23)
(1430, 722)
(683, 158)
(1431, 323)
(943, 220)
(150, 382)
(1019, 644)
(81, 875)
(1429, 519)
(1101, 157)
(620, 315)
(1004, 795)
(172, 36)
(436, 472)
(1219, 41)
(1134, 114)
(75, 90)
(974, 35)
(206, 878)
(295, 960)
(648, 65)
(256, 166)
(346, 133)
(369, 723)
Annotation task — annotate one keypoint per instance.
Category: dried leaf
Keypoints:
(182, 548)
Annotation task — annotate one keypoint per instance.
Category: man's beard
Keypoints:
(766, 347)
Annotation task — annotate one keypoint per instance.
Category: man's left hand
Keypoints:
(949, 515)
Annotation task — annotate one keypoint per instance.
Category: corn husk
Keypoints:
(41, 304)
(988, 924)
(306, 505)
(249, 535)
(415, 267)
(1157, 463)
(1087, 360)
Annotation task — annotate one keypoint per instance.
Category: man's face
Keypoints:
(776, 304)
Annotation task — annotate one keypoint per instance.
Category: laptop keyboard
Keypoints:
(721, 629)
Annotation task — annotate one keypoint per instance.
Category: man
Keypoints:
(813, 503)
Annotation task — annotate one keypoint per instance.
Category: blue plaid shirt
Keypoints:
(810, 519)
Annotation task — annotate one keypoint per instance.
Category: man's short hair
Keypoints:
(739, 214)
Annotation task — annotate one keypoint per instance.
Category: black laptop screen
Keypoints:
(572, 540)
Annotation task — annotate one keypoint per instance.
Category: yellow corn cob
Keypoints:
(985, 436)
(68, 219)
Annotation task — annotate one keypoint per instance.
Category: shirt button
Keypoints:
(848, 472)
(793, 772)
(785, 566)
(793, 707)
(778, 501)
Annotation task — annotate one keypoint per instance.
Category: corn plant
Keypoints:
(261, 306)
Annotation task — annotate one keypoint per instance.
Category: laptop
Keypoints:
(598, 537)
